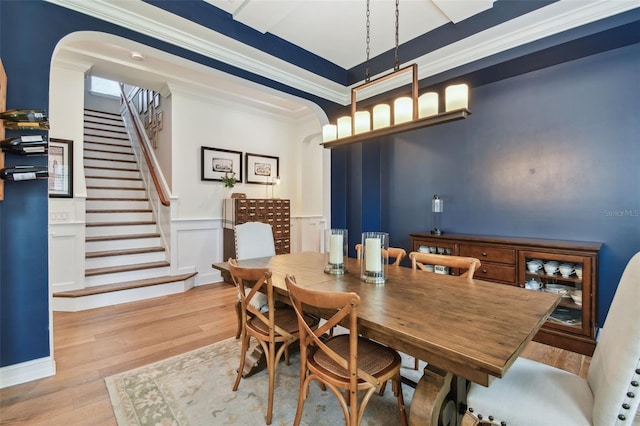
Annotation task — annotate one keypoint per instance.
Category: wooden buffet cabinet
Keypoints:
(273, 211)
(504, 260)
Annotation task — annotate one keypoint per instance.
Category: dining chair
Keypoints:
(394, 253)
(276, 327)
(252, 240)
(469, 264)
(347, 362)
(533, 393)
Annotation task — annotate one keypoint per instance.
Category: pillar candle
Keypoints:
(456, 97)
(381, 116)
(336, 249)
(402, 110)
(362, 122)
(373, 254)
(329, 132)
(428, 104)
(344, 126)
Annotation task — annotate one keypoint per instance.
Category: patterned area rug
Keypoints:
(195, 389)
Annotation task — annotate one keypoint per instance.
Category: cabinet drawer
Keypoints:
(489, 254)
(492, 272)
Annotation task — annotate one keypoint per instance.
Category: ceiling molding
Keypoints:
(154, 22)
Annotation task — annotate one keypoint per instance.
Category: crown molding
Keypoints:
(136, 15)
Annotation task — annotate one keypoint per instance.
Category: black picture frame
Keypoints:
(261, 169)
(215, 162)
(60, 168)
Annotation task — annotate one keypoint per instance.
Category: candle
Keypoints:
(335, 249)
(373, 254)
(402, 110)
(329, 132)
(362, 122)
(456, 97)
(428, 104)
(344, 126)
(381, 116)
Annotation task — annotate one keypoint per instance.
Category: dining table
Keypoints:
(464, 331)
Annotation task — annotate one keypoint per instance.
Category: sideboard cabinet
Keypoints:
(276, 212)
(505, 260)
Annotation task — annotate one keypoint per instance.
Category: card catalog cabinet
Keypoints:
(504, 260)
(275, 212)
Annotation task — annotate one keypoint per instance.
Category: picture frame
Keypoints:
(216, 162)
(261, 169)
(60, 168)
(156, 100)
(160, 120)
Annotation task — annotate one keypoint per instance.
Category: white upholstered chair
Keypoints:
(532, 393)
(252, 240)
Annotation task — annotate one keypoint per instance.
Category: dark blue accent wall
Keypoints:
(552, 154)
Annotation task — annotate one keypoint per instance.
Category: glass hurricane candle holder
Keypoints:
(373, 266)
(336, 243)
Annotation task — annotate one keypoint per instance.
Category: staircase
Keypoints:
(125, 258)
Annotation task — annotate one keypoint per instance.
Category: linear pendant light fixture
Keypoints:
(406, 113)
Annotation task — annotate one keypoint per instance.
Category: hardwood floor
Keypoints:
(97, 343)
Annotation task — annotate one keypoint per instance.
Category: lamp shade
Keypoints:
(362, 122)
(428, 104)
(329, 132)
(457, 97)
(402, 110)
(381, 116)
(344, 126)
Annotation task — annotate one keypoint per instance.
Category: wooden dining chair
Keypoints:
(252, 240)
(395, 253)
(469, 264)
(276, 327)
(421, 260)
(346, 363)
(532, 393)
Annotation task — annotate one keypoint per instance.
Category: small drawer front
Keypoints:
(489, 254)
(493, 272)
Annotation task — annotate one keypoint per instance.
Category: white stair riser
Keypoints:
(119, 141)
(116, 204)
(111, 173)
(111, 147)
(129, 243)
(111, 125)
(126, 276)
(89, 162)
(76, 304)
(101, 130)
(116, 193)
(107, 231)
(109, 155)
(119, 217)
(114, 183)
(129, 259)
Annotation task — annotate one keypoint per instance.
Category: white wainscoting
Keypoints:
(196, 244)
(66, 255)
(306, 233)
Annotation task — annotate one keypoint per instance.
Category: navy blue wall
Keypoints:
(553, 154)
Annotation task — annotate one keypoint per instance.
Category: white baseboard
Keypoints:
(27, 371)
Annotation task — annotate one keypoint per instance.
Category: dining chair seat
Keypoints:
(373, 358)
(285, 318)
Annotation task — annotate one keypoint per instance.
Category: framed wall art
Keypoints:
(60, 168)
(216, 162)
(262, 169)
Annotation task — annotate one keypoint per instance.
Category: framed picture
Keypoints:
(156, 100)
(160, 120)
(217, 162)
(60, 168)
(262, 169)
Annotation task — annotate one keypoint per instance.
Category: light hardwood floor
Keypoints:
(97, 343)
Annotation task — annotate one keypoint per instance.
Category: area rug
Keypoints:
(195, 389)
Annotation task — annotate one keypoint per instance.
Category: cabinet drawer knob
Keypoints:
(484, 271)
(484, 253)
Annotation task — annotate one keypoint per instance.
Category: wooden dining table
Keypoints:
(465, 331)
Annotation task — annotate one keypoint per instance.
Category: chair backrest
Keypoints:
(419, 260)
(346, 306)
(254, 239)
(261, 278)
(615, 366)
(394, 253)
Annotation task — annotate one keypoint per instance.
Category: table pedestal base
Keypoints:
(436, 397)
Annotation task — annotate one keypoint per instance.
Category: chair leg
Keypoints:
(416, 361)
(271, 360)
(239, 316)
(382, 389)
(397, 388)
(243, 355)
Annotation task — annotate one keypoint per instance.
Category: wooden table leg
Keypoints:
(433, 401)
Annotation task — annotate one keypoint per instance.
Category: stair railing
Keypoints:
(145, 150)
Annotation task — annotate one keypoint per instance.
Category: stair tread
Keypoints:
(118, 211)
(125, 252)
(122, 237)
(124, 268)
(109, 159)
(110, 168)
(114, 178)
(140, 222)
(118, 188)
(108, 288)
(115, 199)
